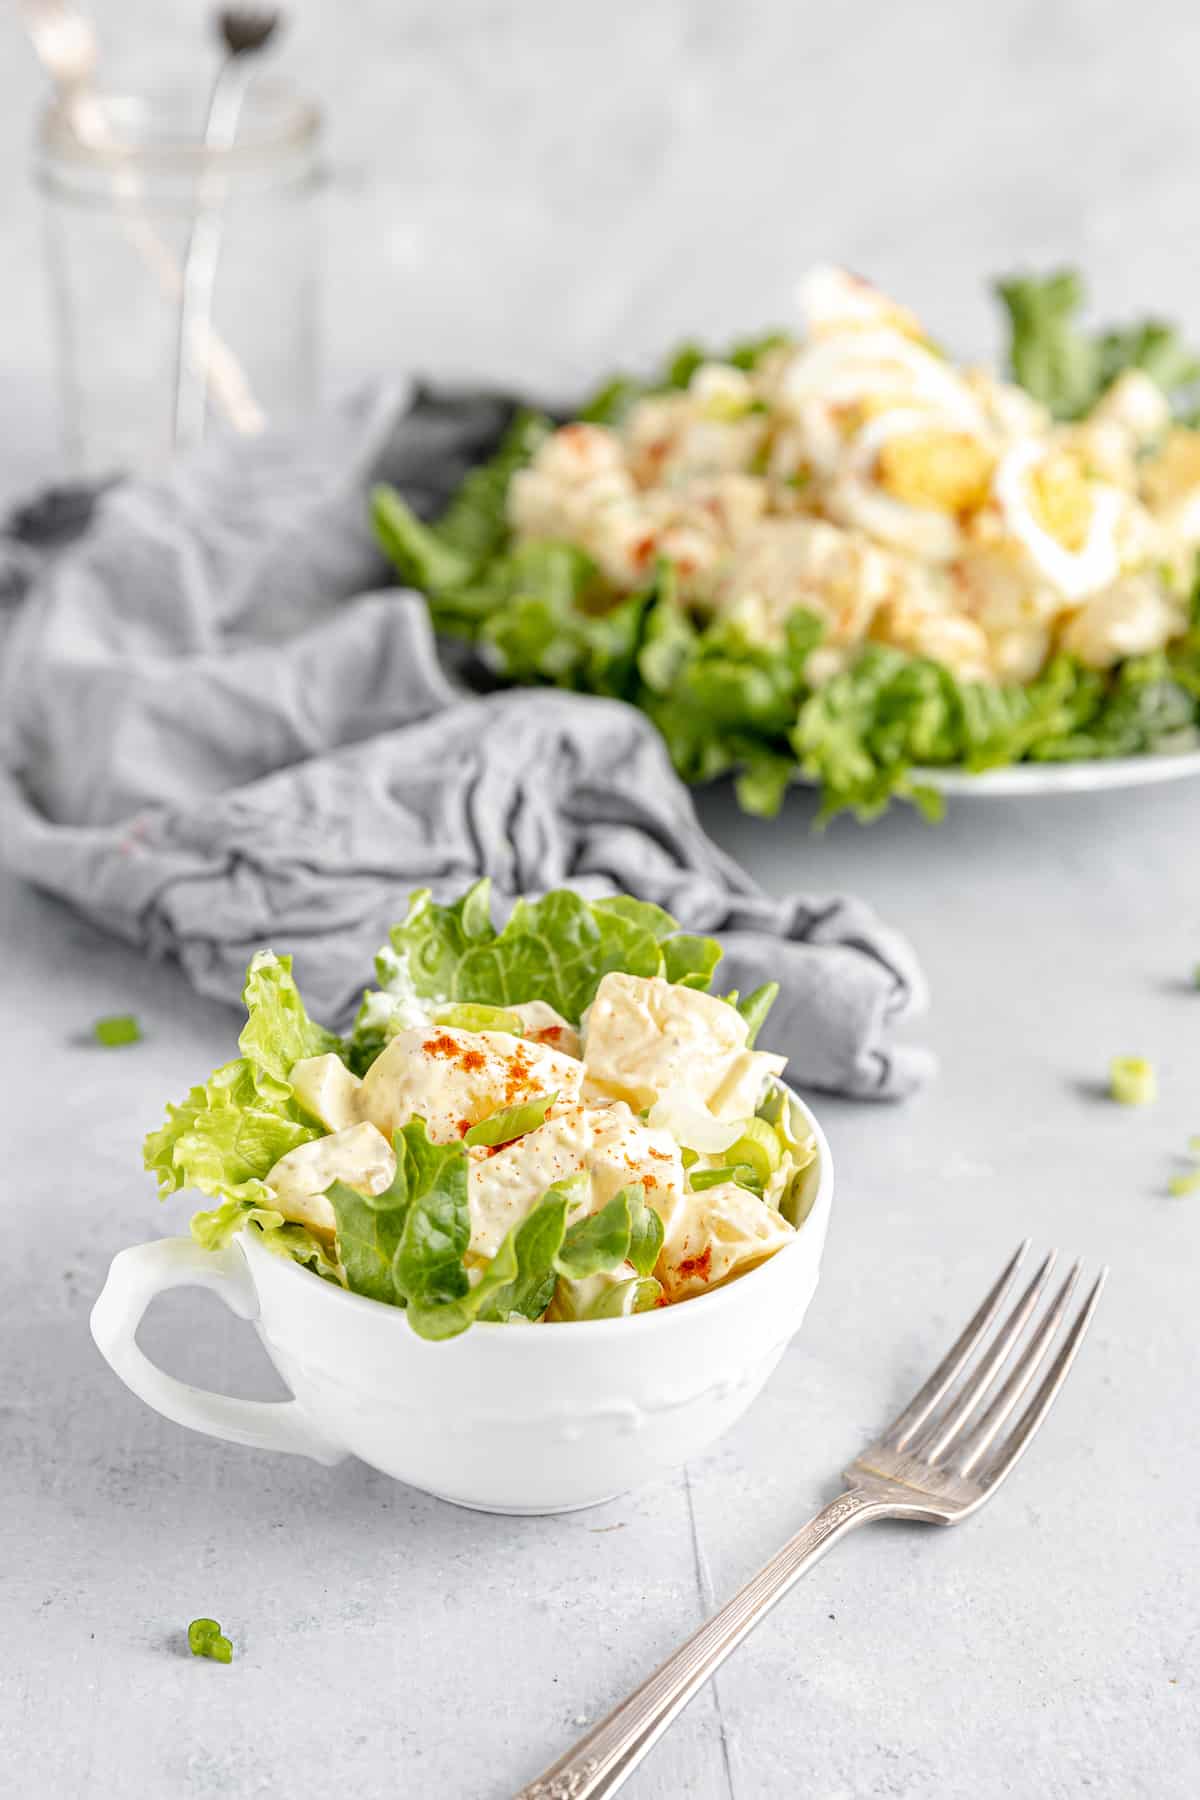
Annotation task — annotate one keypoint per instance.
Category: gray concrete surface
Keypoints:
(389, 1644)
(535, 193)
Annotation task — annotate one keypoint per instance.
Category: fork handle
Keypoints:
(602, 1760)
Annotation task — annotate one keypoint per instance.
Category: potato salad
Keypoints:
(836, 551)
(861, 476)
(481, 1150)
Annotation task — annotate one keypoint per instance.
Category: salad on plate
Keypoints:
(838, 555)
(552, 1122)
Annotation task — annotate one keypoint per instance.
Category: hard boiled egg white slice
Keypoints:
(832, 299)
(876, 365)
(956, 465)
(1075, 572)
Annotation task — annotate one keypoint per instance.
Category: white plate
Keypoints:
(1029, 779)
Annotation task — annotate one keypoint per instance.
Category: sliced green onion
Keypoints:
(121, 1028)
(479, 1018)
(742, 1173)
(1132, 1080)
(636, 1295)
(760, 1147)
(510, 1122)
(797, 1202)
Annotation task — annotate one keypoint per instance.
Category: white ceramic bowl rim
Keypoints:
(656, 1319)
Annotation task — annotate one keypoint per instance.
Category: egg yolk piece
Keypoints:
(1061, 501)
(950, 471)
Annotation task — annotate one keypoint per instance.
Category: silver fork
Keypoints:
(939, 1461)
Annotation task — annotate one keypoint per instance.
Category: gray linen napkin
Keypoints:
(220, 730)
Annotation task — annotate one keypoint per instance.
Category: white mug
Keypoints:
(505, 1418)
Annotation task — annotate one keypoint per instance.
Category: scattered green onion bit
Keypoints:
(510, 1122)
(1132, 1080)
(121, 1028)
(205, 1639)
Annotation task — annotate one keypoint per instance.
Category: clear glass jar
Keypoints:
(121, 193)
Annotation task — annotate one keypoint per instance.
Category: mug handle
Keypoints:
(135, 1277)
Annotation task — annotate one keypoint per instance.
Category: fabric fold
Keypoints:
(220, 731)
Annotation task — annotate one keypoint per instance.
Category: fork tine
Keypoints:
(1022, 1433)
(927, 1397)
(976, 1440)
(942, 1432)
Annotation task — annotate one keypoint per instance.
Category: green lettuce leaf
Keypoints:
(555, 949)
(864, 733)
(520, 1281)
(545, 620)
(551, 1256)
(599, 1242)
(670, 638)
(230, 1131)
(611, 401)
(1155, 348)
(475, 522)
(225, 1136)
(301, 1245)
(723, 702)
(278, 1032)
(445, 560)
(764, 777)
(1049, 355)
(368, 1238)
(213, 1230)
(406, 1245)
(428, 1265)
(1069, 369)
(645, 1230)
(421, 556)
